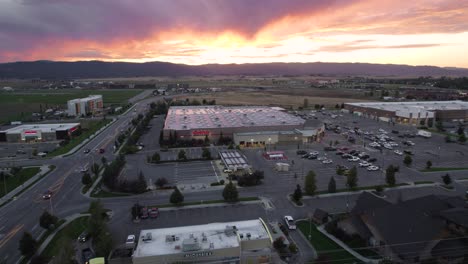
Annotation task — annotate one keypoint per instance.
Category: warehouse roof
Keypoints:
(199, 239)
(415, 106)
(204, 117)
(44, 128)
(90, 97)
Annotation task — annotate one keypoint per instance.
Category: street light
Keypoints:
(269, 143)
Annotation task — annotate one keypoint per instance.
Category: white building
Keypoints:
(234, 242)
(83, 106)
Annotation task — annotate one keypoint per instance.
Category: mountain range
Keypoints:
(101, 69)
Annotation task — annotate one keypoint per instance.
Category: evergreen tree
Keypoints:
(206, 154)
(462, 138)
(447, 179)
(27, 245)
(95, 169)
(297, 195)
(176, 197)
(352, 178)
(310, 183)
(141, 185)
(181, 155)
(428, 164)
(332, 185)
(230, 193)
(160, 182)
(156, 157)
(390, 176)
(86, 179)
(407, 160)
(47, 220)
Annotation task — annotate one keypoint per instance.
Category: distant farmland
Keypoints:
(15, 105)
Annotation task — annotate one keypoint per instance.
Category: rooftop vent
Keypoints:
(148, 237)
(230, 230)
(190, 244)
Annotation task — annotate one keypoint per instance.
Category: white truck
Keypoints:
(424, 133)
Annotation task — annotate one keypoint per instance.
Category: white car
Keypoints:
(353, 159)
(387, 146)
(327, 161)
(321, 158)
(364, 164)
(362, 154)
(372, 168)
(393, 144)
(41, 154)
(290, 222)
(382, 131)
(398, 152)
(314, 153)
(130, 240)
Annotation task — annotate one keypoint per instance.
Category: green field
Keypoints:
(324, 246)
(12, 182)
(20, 105)
(65, 236)
(435, 169)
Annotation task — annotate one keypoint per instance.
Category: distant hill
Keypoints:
(100, 69)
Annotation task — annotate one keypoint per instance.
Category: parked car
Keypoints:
(315, 153)
(409, 152)
(321, 158)
(301, 152)
(312, 157)
(372, 160)
(329, 149)
(327, 161)
(130, 240)
(398, 152)
(364, 164)
(372, 168)
(154, 212)
(290, 222)
(353, 159)
(83, 237)
(144, 212)
(41, 154)
(226, 170)
(20, 151)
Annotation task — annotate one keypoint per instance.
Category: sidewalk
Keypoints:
(43, 171)
(51, 236)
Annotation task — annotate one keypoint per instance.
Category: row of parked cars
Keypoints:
(149, 212)
(364, 159)
(314, 155)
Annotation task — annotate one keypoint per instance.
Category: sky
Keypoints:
(414, 32)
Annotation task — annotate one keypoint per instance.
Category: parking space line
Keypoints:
(214, 169)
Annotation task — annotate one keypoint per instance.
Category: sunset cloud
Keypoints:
(224, 31)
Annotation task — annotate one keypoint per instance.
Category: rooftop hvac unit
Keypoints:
(190, 244)
(230, 230)
(148, 237)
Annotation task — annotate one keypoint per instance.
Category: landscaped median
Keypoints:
(437, 169)
(327, 250)
(364, 188)
(94, 126)
(241, 199)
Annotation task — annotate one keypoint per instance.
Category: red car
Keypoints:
(102, 150)
(154, 212)
(144, 213)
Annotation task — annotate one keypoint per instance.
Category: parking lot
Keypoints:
(435, 149)
(24, 150)
(122, 227)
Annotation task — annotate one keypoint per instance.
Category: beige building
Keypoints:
(233, 242)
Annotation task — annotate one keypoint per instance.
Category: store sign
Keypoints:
(198, 254)
(30, 132)
(201, 133)
(73, 129)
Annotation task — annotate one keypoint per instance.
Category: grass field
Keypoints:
(324, 246)
(66, 235)
(14, 181)
(93, 126)
(271, 98)
(16, 105)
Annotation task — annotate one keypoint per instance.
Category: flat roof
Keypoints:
(44, 128)
(234, 159)
(205, 117)
(90, 97)
(415, 106)
(198, 238)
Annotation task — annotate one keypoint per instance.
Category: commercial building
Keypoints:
(247, 125)
(234, 242)
(92, 104)
(416, 113)
(40, 132)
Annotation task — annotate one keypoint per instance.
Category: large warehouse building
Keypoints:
(40, 132)
(92, 104)
(417, 113)
(234, 242)
(246, 125)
